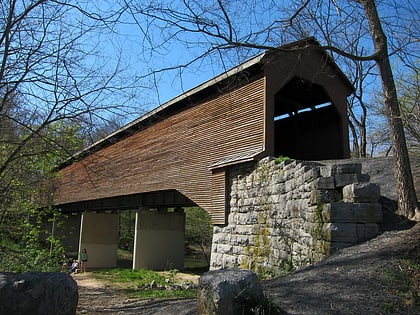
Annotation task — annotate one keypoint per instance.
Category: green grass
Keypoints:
(281, 159)
(405, 281)
(136, 283)
(139, 277)
(161, 294)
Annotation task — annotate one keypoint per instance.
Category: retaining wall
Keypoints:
(294, 213)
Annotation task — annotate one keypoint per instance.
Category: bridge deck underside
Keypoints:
(157, 199)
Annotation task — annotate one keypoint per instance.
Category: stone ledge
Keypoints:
(349, 232)
(361, 192)
(345, 212)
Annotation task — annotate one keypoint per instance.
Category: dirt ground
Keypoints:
(96, 297)
(370, 278)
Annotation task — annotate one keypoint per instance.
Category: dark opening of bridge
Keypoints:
(307, 124)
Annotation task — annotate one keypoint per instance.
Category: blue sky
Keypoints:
(139, 57)
(135, 53)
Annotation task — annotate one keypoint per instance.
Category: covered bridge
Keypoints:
(291, 102)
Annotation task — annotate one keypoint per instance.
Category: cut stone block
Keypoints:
(325, 183)
(349, 232)
(352, 212)
(361, 192)
(341, 180)
(350, 168)
(331, 170)
(324, 196)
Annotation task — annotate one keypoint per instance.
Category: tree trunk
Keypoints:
(356, 150)
(407, 200)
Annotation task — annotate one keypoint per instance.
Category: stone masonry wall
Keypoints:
(294, 213)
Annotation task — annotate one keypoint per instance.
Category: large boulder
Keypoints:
(228, 292)
(38, 293)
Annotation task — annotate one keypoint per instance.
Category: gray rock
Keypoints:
(349, 232)
(352, 212)
(38, 293)
(228, 292)
(342, 180)
(361, 192)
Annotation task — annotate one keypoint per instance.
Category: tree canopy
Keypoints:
(55, 86)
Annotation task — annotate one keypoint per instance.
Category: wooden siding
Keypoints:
(174, 153)
(218, 196)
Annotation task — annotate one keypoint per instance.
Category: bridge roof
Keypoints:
(252, 66)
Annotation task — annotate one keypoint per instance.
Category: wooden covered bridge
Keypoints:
(291, 102)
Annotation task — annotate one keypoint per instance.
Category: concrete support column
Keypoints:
(159, 240)
(99, 235)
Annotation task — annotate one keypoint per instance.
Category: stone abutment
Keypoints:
(290, 214)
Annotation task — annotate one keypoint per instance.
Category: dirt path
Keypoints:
(95, 297)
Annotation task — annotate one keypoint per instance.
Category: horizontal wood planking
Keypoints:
(174, 153)
(218, 195)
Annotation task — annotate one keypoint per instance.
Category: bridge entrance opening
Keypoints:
(307, 124)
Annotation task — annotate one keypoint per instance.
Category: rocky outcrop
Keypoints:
(38, 293)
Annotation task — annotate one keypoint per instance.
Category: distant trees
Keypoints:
(408, 87)
(409, 94)
(25, 184)
(54, 86)
(199, 231)
(126, 231)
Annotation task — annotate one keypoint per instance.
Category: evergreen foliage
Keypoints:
(198, 230)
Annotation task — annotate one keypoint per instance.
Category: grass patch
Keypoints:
(143, 283)
(282, 159)
(139, 277)
(161, 294)
(405, 282)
